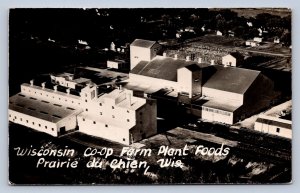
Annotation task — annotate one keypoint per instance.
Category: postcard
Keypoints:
(120, 96)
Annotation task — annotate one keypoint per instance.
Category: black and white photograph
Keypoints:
(150, 96)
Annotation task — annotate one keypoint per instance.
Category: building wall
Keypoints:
(185, 81)
(258, 96)
(102, 129)
(138, 54)
(50, 95)
(33, 122)
(223, 96)
(273, 130)
(146, 123)
(213, 114)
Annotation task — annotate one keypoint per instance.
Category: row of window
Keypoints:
(216, 111)
(33, 123)
(128, 120)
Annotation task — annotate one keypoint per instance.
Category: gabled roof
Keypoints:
(232, 79)
(193, 67)
(237, 55)
(143, 43)
(162, 67)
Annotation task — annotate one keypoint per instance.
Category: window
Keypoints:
(113, 116)
(100, 104)
(9, 115)
(32, 123)
(45, 127)
(52, 129)
(21, 119)
(128, 120)
(15, 117)
(39, 125)
(100, 113)
(277, 130)
(94, 122)
(85, 100)
(127, 111)
(106, 125)
(83, 119)
(86, 109)
(123, 139)
(113, 107)
(141, 113)
(26, 121)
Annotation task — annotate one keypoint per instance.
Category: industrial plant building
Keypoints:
(226, 94)
(117, 116)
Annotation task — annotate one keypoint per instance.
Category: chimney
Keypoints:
(120, 87)
(68, 91)
(188, 58)
(43, 85)
(164, 54)
(31, 82)
(55, 88)
(199, 60)
(175, 56)
(212, 62)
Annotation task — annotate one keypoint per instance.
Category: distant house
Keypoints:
(251, 43)
(112, 46)
(219, 33)
(276, 40)
(233, 59)
(260, 31)
(82, 42)
(189, 29)
(230, 33)
(258, 39)
(203, 28)
(249, 23)
(117, 64)
(274, 126)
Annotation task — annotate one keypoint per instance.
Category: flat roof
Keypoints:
(143, 43)
(41, 109)
(162, 67)
(277, 123)
(224, 106)
(231, 79)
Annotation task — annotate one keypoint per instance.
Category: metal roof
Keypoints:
(232, 79)
(161, 67)
(143, 43)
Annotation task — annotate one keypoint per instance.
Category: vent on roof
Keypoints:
(57, 116)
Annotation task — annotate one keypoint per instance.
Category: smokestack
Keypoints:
(31, 82)
(199, 60)
(68, 91)
(188, 58)
(55, 88)
(43, 85)
(164, 54)
(175, 56)
(212, 62)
